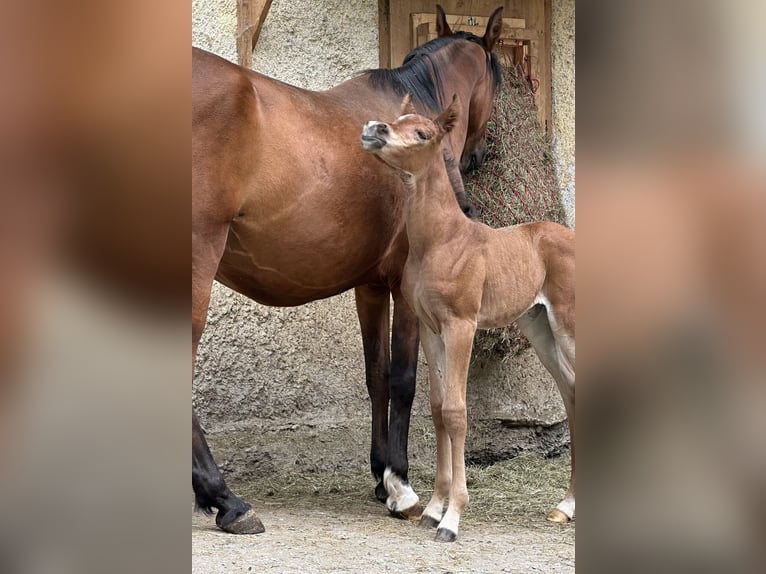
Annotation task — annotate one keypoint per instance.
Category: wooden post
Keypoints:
(250, 17)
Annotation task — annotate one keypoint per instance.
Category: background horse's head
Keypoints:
(481, 103)
(453, 63)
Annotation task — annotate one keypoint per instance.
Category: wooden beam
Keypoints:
(384, 34)
(250, 17)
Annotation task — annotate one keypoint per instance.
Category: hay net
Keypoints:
(515, 184)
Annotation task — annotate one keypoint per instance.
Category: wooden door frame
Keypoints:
(545, 113)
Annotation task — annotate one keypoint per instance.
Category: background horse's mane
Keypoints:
(420, 73)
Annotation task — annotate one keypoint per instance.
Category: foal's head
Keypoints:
(412, 142)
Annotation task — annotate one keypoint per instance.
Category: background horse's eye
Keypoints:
(422, 135)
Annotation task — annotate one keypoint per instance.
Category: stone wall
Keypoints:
(274, 384)
(563, 100)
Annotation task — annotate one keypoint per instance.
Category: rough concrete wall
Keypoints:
(275, 384)
(214, 27)
(317, 45)
(563, 99)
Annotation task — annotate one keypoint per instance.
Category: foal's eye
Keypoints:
(422, 135)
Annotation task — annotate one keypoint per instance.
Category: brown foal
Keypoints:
(461, 275)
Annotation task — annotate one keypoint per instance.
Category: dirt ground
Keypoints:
(316, 523)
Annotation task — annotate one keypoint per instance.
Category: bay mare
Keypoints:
(287, 209)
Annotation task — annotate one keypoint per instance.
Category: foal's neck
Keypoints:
(433, 214)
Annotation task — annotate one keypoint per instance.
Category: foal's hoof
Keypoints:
(411, 513)
(428, 522)
(247, 523)
(445, 535)
(557, 516)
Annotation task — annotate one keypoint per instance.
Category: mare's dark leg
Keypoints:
(210, 490)
(402, 501)
(456, 180)
(373, 309)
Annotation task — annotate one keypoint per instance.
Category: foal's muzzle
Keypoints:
(373, 135)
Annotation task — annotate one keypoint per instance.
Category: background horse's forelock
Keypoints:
(420, 74)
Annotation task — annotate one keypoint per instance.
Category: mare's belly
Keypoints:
(297, 262)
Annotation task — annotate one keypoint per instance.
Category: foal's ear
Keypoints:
(442, 28)
(406, 107)
(494, 29)
(448, 118)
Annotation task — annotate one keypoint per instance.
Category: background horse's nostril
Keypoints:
(382, 128)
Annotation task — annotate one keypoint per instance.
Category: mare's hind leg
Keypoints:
(402, 500)
(373, 310)
(210, 490)
(390, 381)
(557, 355)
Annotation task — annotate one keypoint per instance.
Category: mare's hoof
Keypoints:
(411, 513)
(428, 522)
(248, 523)
(380, 492)
(445, 535)
(557, 516)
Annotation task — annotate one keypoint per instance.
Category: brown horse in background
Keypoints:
(460, 275)
(287, 209)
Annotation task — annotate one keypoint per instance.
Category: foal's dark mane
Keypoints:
(420, 73)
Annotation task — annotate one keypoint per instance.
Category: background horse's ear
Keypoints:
(442, 28)
(406, 107)
(448, 118)
(494, 29)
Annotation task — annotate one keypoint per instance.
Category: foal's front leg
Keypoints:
(458, 341)
(433, 347)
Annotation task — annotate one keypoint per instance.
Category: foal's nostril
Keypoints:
(381, 129)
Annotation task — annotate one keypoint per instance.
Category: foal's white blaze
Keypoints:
(400, 495)
(404, 117)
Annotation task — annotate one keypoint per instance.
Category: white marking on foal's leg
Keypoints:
(433, 513)
(448, 527)
(567, 506)
(401, 497)
(564, 511)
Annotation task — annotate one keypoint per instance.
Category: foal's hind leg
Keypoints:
(210, 490)
(556, 352)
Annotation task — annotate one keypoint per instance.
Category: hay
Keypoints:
(521, 491)
(516, 184)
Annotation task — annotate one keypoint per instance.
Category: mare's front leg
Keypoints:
(210, 489)
(373, 310)
(402, 500)
(456, 181)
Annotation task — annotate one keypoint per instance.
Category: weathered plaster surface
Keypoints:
(563, 99)
(214, 27)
